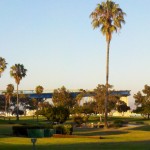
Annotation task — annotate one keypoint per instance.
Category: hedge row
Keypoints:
(23, 130)
(58, 129)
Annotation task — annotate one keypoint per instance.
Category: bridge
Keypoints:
(49, 94)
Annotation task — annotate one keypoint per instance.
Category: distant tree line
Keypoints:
(62, 98)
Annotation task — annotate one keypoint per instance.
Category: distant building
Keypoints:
(124, 97)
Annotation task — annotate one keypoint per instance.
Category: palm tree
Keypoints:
(109, 17)
(3, 65)
(39, 90)
(8, 95)
(18, 72)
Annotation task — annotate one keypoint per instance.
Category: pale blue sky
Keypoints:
(55, 41)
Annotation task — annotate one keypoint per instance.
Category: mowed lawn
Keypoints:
(125, 138)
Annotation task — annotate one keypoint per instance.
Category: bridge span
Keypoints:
(49, 94)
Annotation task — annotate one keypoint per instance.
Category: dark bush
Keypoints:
(22, 130)
(20, 112)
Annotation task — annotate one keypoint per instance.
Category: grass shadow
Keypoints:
(97, 132)
(134, 145)
(141, 128)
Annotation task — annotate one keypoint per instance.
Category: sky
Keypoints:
(56, 43)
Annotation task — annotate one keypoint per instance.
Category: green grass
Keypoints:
(126, 138)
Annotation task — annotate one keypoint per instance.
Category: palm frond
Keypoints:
(109, 17)
(18, 72)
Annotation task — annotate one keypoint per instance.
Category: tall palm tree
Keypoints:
(3, 65)
(8, 95)
(39, 90)
(109, 17)
(18, 72)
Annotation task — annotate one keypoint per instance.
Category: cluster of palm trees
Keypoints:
(18, 72)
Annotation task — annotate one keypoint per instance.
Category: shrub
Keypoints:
(79, 119)
(61, 114)
(64, 129)
(68, 129)
(85, 118)
(55, 114)
(58, 128)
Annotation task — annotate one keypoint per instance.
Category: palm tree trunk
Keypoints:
(17, 104)
(100, 117)
(107, 78)
(37, 116)
(9, 106)
(148, 116)
(5, 105)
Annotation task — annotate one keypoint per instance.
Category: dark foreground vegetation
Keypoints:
(134, 134)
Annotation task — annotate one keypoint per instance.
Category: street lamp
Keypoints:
(33, 140)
